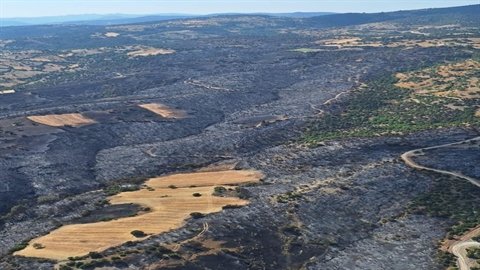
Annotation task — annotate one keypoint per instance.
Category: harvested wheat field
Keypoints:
(164, 111)
(61, 120)
(170, 207)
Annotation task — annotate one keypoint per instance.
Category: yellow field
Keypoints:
(60, 120)
(164, 110)
(170, 207)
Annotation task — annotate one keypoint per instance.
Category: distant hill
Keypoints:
(436, 15)
(89, 19)
(95, 19)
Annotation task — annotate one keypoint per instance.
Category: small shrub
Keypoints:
(231, 206)
(196, 194)
(138, 234)
(217, 191)
(197, 215)
(38, 246)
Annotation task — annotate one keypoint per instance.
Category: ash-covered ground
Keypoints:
(249, 97)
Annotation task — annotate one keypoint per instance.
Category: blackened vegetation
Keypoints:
(249, 85)
(451, 198)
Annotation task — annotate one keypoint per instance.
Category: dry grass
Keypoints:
(170, 207)
(164, 111)
(477, 113)
(351, 41)
(60, 120)
(457, 80)
(23, 66)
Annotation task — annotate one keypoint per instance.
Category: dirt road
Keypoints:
(407, 158)
(458, 248)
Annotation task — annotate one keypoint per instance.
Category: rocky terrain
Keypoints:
(257, 92)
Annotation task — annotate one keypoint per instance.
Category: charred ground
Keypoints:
(300, 99)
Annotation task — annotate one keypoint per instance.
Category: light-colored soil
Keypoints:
(60, 120)
(23, 66)
(8, 91)
(477, 113)
(149, 51)
(459, 247)
(170, 207)
(164, 111)
(307, 50)
(460, 250)
(348, 42)
(112, 34)
(351, 41)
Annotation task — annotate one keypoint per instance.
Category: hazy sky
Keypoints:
(35, 8)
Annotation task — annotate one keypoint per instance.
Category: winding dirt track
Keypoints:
(459, 248)
(407, 157)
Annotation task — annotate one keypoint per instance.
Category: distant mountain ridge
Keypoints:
(430, 15)
(110, 19)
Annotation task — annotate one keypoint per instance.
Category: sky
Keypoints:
(40, 8)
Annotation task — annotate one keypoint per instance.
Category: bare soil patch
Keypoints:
(8, 91)
(149, 51)
(112, 34)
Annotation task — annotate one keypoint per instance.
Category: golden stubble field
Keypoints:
(169, 207)
(164, 111)
(60, 120)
